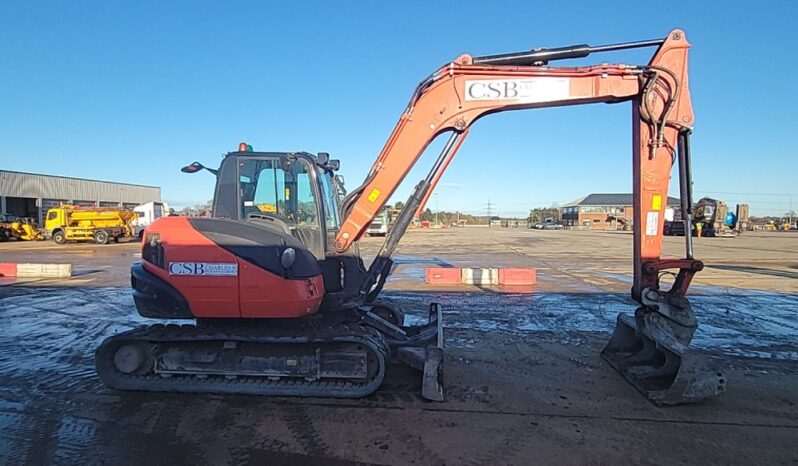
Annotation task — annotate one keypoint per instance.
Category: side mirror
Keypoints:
(195, 167)
(192, 168)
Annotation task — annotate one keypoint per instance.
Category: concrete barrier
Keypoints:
(442, 276)
(517, 276)
(505, 276)
(480, 276)
(36, 270)
(8, 270)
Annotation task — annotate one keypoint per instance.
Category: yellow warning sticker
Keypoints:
(375, 193)
(656, 202)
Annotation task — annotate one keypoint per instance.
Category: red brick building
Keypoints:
(602, 212)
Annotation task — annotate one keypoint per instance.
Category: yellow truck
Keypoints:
(98, 224)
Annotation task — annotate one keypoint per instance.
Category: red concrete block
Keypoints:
(517, 276)
(442, 276)
(8, 270)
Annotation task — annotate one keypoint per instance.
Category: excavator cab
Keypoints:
(290, 193)
(297, 195)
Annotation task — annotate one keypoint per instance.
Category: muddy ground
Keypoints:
(524, 380)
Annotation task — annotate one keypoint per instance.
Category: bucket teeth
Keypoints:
(659, 366)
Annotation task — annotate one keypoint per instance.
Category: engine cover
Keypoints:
(225, 269)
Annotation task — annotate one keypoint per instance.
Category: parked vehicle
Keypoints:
(549, 223)
(19, 228)
(98, 224)
(714, 217)
(146, 214)
(379, 226)
(5, 226)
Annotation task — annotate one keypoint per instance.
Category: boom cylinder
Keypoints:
(542, 56)
(686, 190)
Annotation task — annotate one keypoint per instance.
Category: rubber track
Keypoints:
(336, 388)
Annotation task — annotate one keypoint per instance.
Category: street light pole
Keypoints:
(436, 209)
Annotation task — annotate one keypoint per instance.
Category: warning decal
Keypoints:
(652, 223)
(656, 202)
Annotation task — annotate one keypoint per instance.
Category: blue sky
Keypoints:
(132, 91)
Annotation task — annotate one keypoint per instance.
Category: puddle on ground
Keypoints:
(760, 324)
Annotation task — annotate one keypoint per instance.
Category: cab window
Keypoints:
(306, 201)
(330, 205)
(264, 190)
(284, 189)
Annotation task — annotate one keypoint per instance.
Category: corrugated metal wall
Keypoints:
(15, 184)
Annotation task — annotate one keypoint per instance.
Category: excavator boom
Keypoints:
(649, 348)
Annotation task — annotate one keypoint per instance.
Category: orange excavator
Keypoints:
(282, 303)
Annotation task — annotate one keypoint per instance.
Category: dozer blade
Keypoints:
(660, 367)
(428, 359)
(432, 383)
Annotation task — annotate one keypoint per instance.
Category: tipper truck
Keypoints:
(98, 224)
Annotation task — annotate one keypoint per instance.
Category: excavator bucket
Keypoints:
(658, 365)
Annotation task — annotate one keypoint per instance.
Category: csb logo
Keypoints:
(203, 268)
(491, 90)
(527, 90)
